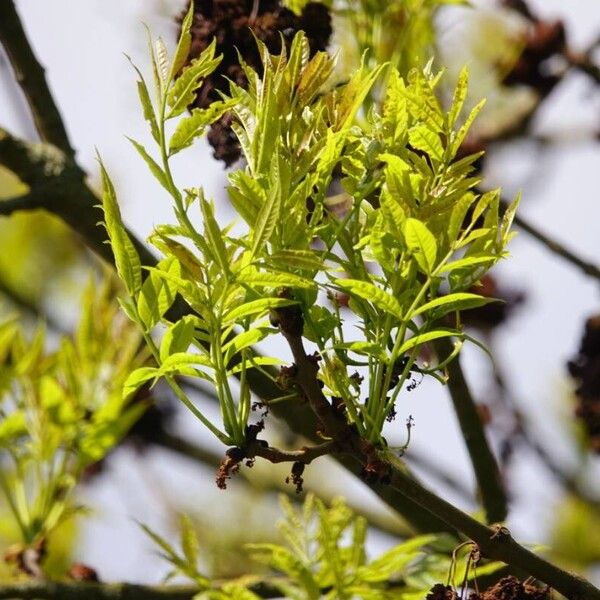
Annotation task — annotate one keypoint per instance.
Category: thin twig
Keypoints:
(553, 245)
(304, 455)
(50, 590)
(557, 248)
(76, 590)
(57, 184)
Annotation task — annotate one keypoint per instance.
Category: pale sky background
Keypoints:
(81, 43)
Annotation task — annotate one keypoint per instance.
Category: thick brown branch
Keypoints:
(30, 75)
(75, 590)
(438, 472)
(557, 248)
(50, 590)
(58, 185)
(29, 201)
(485, 467)
(495, 543)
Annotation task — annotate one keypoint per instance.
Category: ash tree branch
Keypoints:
(494, 542)
(50, 590)
(31, 77)
(56, 181)
(29, 201)
(57, 184)
(71, 199)
(485, 466)
(76, 590)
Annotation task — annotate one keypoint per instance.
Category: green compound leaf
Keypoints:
(452, 302)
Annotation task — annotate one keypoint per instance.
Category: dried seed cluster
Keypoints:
(508, 588)
(235, 24)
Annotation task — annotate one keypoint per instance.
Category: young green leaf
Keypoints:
(183, 45)
(460, 95)
(452, 302)
(180, 363)
(424, 139)
(127, 260)
(177, 338)
(214, 236)
(470, 261)
(370, 292)
(136, 379)
(155, 169)
(276, 280)
(255, 308)
(157, 293)
(190, 128)
(189, 540)
(421, 243)
(244, 340)
(423, 338)
(183, 91)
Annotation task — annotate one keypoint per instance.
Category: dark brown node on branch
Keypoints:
(585, 370)
(253, 430)
(296, 476)
(510, 588)
(500, 532)
(374, 469)
(234, 25)
(81, 572)
(391, 416)
(286, 376)
(441, 592)
(289, 319)
(229, 466)
(28, 559)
